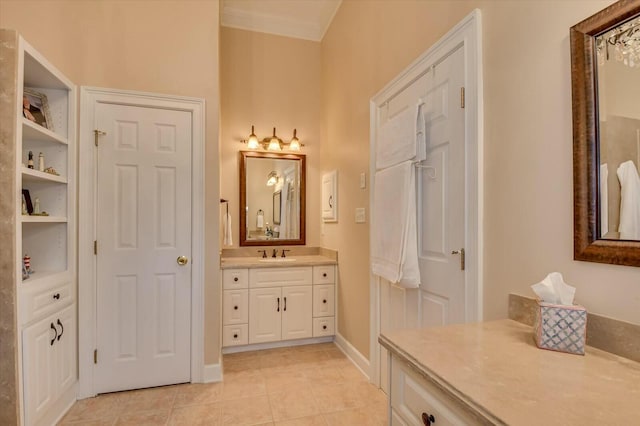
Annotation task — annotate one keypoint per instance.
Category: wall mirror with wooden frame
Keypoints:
(605, 80)
(272, 199)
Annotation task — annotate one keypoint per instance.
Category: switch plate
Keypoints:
(363, 180)
(360, 215)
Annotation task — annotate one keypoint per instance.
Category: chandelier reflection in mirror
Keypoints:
(622, 43)
(272, 143)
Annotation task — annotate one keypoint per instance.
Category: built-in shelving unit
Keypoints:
(48, 367)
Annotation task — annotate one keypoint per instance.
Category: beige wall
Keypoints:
(528, 200)
(162, 46)
(269, 81)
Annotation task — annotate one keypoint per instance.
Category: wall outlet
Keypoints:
(361, 215)
(363, 180)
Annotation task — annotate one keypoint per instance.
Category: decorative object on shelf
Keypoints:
(30, 160)
(24, 207)
(51, 171)
(26, 265)
(36, 206)
(41, 162)
(272, 143)
(36, 108)
(27, 200)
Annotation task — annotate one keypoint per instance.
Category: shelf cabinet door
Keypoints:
(66, 349)
(265, 319)
(297, 321)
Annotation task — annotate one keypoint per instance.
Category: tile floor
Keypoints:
(304, 385)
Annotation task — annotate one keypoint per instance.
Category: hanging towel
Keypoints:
(394, 250)
(604, 200)
(629, 201)
(401, 138)
(226, 223)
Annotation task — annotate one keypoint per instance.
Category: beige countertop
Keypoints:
(257, 262)
(495, 369)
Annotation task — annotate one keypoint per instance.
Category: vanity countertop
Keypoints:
(495, 369)
(256, 262)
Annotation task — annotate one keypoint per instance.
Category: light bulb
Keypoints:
(253, 142)
(274, 143)
(294, 145)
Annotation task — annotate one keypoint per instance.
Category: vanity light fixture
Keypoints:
(273, 143)
(272, 178)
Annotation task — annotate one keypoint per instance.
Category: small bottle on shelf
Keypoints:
(41, 162)
(30, 161)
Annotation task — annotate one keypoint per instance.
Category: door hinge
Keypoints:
(95, 356)
(95, 247)
(462, 97)
(97, 133)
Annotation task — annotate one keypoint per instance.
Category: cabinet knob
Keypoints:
(324, 300)
(235, 336)
(56, 296)
(324, 275)
(324, 327)
(235, 307)
(235, 279)
(427, 419)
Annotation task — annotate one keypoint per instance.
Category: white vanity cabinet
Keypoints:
(281, 304)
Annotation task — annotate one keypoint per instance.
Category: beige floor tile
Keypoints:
(147, 418)
(99, 422)
(323, 373)
(153, 400)
(293, 402)
(311, 348)
(306, 421)
(243, 385)
(278, 379)
(198, 393)
(356, 416)
(351, 373)
(197, 415)
(309, 357)
(246, 411)
(102, 407)
(336, 397)
(335, 353)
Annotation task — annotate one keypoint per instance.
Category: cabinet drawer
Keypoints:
(324, 274)
(279, 277)
(235, 278)
(235, 307)
(323, 327)
(39, 301)
(412, 395)
(234, 335)
(323, 300)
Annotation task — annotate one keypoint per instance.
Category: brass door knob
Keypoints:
(182, 260)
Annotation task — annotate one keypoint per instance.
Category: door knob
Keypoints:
(182, 260)
(462, 257)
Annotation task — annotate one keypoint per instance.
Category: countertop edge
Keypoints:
(248, 263)
(449, 390)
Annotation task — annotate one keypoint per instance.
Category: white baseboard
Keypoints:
(212, 373)
(352, 353)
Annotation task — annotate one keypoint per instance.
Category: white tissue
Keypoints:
(554, 290)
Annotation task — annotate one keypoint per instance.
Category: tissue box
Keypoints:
(561, 328)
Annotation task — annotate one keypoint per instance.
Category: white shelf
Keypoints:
(39, 277)
(35, 132)
(43, 219)
(32, 175)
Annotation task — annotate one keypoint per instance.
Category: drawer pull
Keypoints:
(324, 300)
(427, 419)
(235, 336)
(324, 327)
(54, 337)
(56, 296)
(235, 307)
(324, 275)
(285, 303)
(278, 310)
(61, 329)
(235, 279)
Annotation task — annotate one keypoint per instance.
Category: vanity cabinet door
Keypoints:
(235, 307)
(265, 315)
(297, 322)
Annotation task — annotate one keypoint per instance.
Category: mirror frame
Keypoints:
(244, 156)
(587, 244)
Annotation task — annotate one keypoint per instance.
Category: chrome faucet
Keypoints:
(275, 253)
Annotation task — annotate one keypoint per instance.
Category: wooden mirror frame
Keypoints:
(244, 156)
(586, 241)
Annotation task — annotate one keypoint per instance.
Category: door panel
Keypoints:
(143, 226)
(265, 319)
(297, 321)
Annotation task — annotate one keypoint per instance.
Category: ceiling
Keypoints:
(305, 19)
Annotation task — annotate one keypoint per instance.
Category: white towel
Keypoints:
(401, 138)
(394, 248)
(604, 200)
(226, 223)
(630, 201)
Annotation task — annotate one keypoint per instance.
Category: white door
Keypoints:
(265, 315)
(143, 225)
(441, 198)
(297, 319)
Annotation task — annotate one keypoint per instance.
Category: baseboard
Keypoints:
(353, 354)
(274, 345)
(212, 373)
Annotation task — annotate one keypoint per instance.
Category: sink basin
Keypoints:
(277, 260)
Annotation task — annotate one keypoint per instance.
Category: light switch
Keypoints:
(363, 180)
(360, 215)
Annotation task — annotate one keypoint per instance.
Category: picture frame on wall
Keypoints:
(35, 107)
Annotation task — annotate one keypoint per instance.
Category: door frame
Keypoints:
(467, 34)
(90, 97)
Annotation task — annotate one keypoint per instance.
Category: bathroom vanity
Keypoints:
(275, 301)
(492, 373)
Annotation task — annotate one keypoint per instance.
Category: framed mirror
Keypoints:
(605, 82)
(272, 199)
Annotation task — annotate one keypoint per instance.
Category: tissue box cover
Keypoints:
(561, 328)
